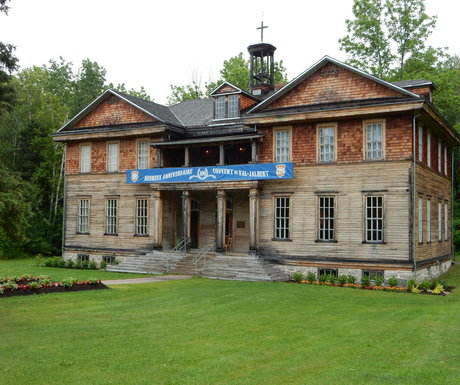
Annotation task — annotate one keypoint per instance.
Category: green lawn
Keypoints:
(202, 331)
(15, 267)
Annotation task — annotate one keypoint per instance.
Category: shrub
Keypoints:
(10, 285)
(438, 289)
(425, 285)
(85, 265)
(69, 264)
(311, 277)
(342, 279)
(378, 281)
(78, 265)
(392, 281)
(351, 279)
(103, 265)
(35, 285)
(331, 278)
(411, 284)
(60, 262)
(92, 265)
(322, 278)
(48, 262)
(297, 276)
(365, 282)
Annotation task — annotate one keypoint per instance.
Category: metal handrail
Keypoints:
(180, 246)
(201, 255)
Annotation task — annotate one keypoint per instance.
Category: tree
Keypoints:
(235, 70)
(382, 36)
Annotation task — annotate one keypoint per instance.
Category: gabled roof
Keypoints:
(155, 110)
(237, 90)
(196, 112)
(414, 83)
(325, 60)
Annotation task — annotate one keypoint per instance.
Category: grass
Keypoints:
(202, 331)
(14, 267)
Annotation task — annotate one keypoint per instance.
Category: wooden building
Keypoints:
(337, 171)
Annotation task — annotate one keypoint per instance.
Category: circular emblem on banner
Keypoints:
(134, 176)
(280, 170)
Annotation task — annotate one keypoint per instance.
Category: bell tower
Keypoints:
(261, 65)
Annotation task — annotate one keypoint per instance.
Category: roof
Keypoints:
(196, 112)
(207, 140)
(413, 83)
(325, 60)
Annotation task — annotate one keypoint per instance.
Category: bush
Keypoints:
(78, 265)
(342, 279)
(322, 278)
(378, 281)
(365, 282)
(351, 279)
(425, 285)
(331, 279)
(35, 285)
(92, 265)
(85, 265)
(60, 262)
(311, 277)
(392, 281)
(297, 276)
(69, 264)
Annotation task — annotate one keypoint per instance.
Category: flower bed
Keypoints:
(433, 287)
(26, 285)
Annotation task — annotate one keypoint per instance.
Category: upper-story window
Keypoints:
(282, 145)
(445, 160)
(439, 156)
(143, 155)
(227, 106)
(85, 158)
(420, 143)
(373, 131)
(112, 157)
(326, 143)
(428, 149)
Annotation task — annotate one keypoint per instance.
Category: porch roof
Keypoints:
(208, 140)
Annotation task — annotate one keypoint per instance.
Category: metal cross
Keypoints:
(262, 27)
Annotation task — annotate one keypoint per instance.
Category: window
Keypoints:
(420, 143)
(428, 149)
(227, 106)
(141, 217)
(439, 221)
(333, 272)
(374, 219)
(420, 220)
(109, 259)
(111, 216)
(446, 221)
(374, 140)
(445, 160)
(85, 158)
(112, 157)
(233, 106)
(428, 220)
(373, 275)
(326, 144)
(282, 146)
(143, 155)
(326, 218)
(83, 258)
(282, 218)
(439, 156)
(83, 216)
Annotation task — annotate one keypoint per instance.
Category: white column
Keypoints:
(220, 236)
(253, 218)
(186, 206)
(157, 222)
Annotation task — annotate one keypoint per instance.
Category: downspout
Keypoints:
(64, 202)
(414, 196)
(452, 173)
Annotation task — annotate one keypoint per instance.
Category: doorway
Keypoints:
(228, 225)
(194, 224)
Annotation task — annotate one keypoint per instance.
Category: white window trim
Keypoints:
(289, 227)
(289, 130)
(318, 218)
(365, 196)
(364, 131)
(79, 216)
(440, 223)
(439, 156)
(420, 219)
(138, 144)
(445, 159)
(318, 143)
(225, 97)
(446, 221)
(107, 161)
(428, 221)
(147, 217)
(420, 143)
(428, 149)
(86, 145)
(117, 215)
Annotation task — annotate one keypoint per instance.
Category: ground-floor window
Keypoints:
(326, 220)
(373, 219)
(109, 259)
(282, 206)
(333, 272)
(141, 217)
(373, 275)
(428, 220)
(83, 216)
(111, 216)
(83, 258)
(440, 225)
(446, 221)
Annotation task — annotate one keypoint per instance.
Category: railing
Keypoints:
(180, 246)
(197, 258)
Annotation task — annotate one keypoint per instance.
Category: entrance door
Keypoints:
(194, 225)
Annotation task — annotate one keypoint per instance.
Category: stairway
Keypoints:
(242, 267)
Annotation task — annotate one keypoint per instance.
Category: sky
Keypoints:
(155, 43)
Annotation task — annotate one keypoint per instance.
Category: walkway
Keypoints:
(159, 278)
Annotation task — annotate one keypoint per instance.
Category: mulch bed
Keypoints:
(52, 289)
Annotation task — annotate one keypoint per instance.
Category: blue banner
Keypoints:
(260, 171)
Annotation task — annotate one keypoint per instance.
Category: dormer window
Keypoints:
(227, 106)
